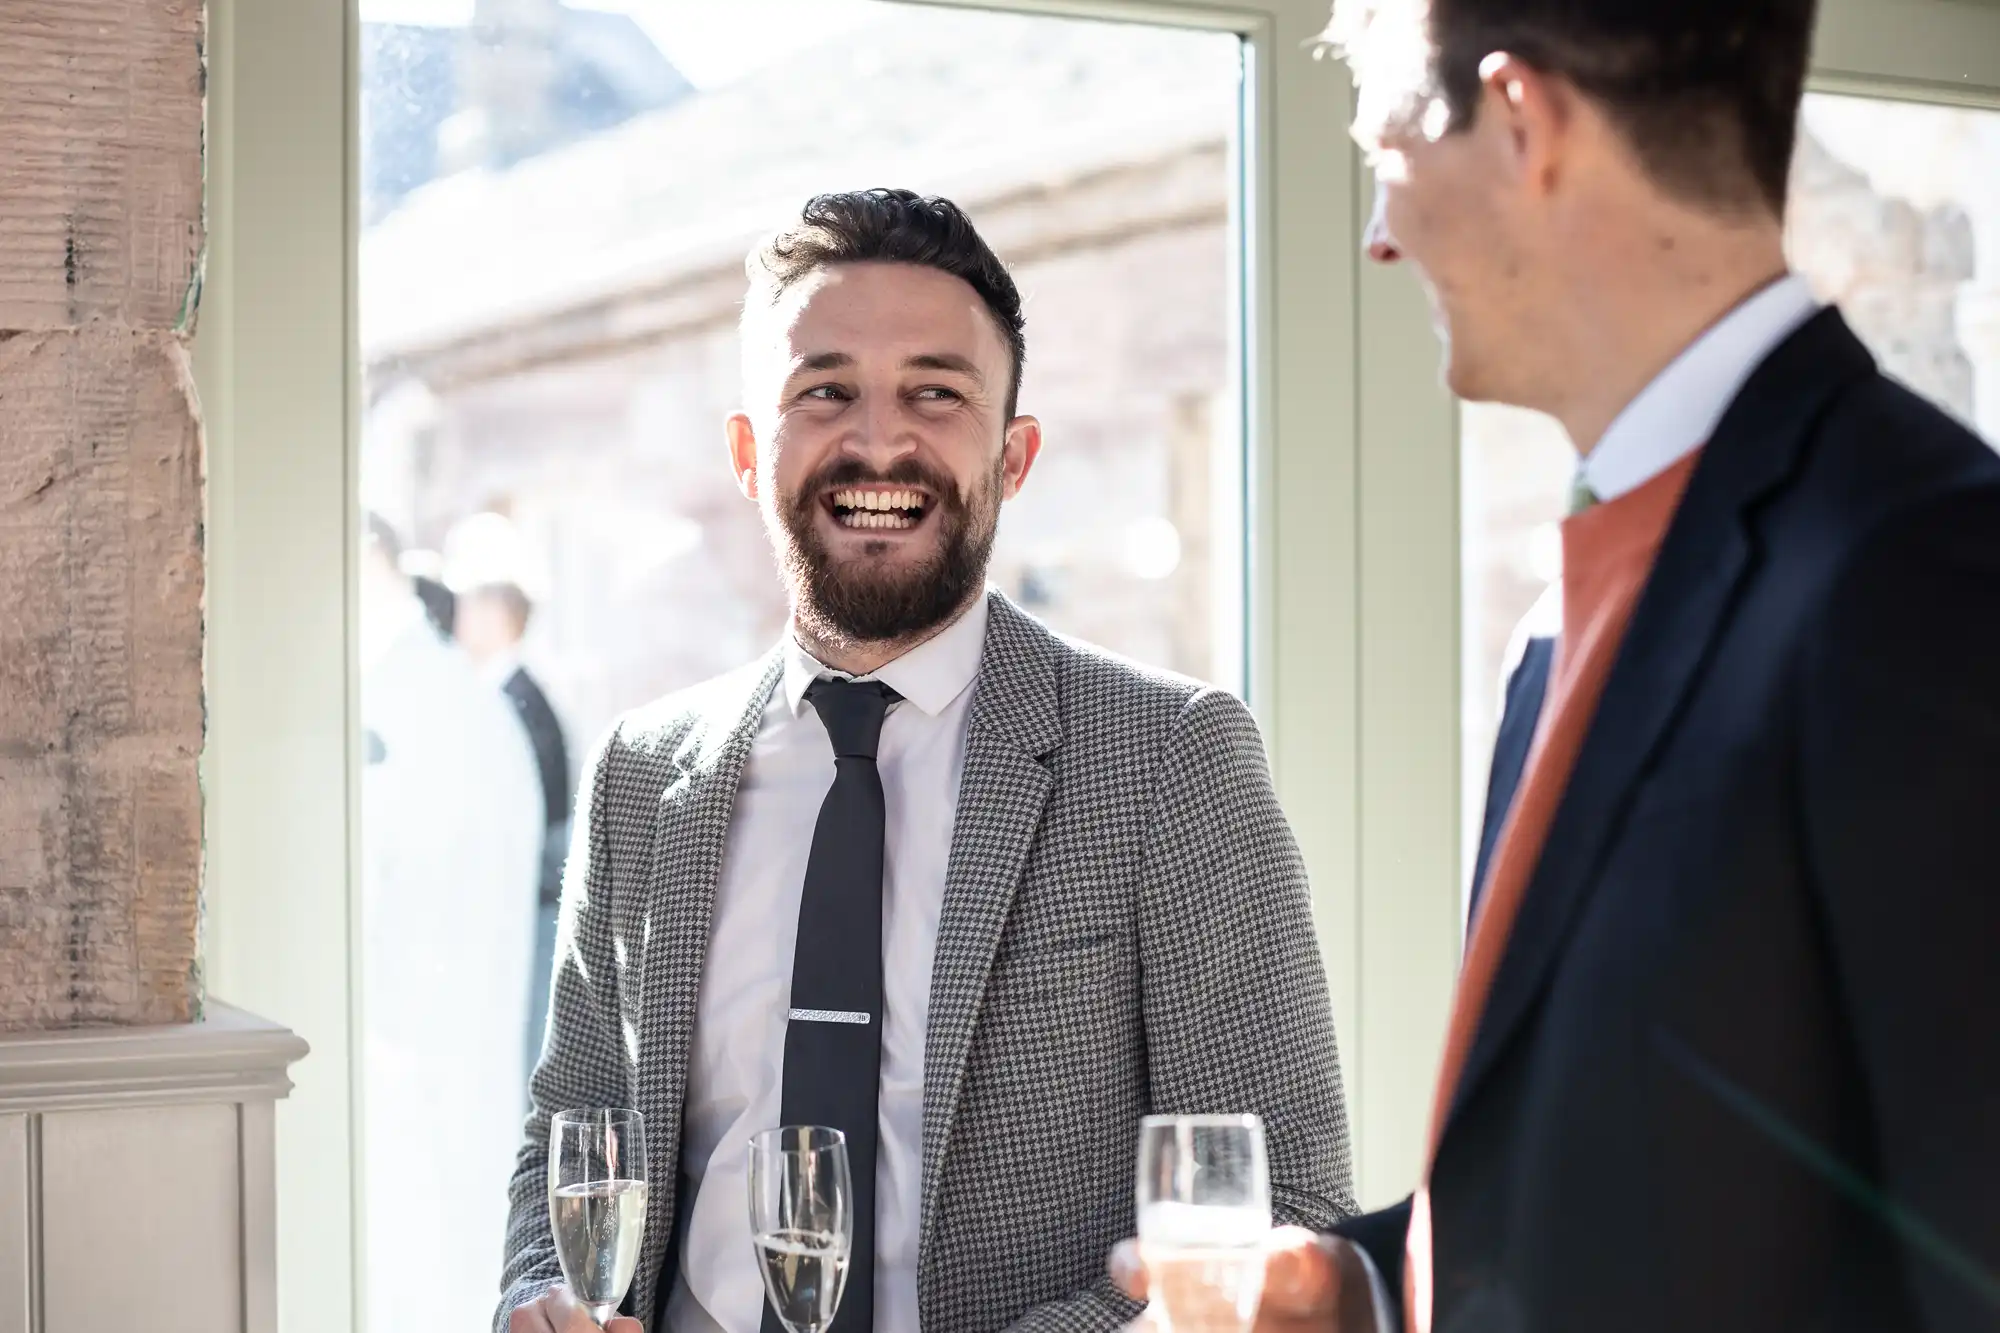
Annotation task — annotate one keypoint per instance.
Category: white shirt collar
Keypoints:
(1680, 409)
(930, 675)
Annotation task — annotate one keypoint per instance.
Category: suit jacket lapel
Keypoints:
(1702, 564)
(669, 923)
(1526, 689)
(1015, 722)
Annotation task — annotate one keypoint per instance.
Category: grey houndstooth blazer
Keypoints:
(1125, 930)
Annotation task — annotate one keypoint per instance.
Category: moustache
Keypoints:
(846, 472)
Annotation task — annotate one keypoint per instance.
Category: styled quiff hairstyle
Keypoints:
(894, 227)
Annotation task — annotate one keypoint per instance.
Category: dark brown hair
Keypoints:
(1706, 91)
(897, 227)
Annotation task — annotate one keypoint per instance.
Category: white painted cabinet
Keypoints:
(137, 1192)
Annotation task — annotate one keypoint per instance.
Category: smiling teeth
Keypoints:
(864, 519)
(878, 500)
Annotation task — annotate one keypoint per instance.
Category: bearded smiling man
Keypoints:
(975, 895)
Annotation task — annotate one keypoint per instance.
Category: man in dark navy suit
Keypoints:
(1725, 1049)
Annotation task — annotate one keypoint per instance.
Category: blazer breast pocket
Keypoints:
(1071, 1007)
(1065, 966)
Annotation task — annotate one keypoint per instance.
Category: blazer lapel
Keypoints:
(1015, 723)
(1526, 689)
(670, 924)
(1702, 564)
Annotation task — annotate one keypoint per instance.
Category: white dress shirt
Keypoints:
(735, 1069)
(1671, 417)
(451, 850)
(498, 669)
(1680, 409)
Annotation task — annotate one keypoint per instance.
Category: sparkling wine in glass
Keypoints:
(802, 1222)
(597, 1202)
(1204, 1204)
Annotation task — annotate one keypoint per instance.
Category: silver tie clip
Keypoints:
(831, 1016)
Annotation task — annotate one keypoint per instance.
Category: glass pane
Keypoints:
(557, 201)
(1895, 216)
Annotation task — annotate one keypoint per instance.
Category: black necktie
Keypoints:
(833, 1043)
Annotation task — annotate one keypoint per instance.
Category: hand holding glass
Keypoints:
(597, 1202)
(802, 1222)
(1204, 1206)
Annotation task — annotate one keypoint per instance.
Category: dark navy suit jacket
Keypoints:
(1740, 1068)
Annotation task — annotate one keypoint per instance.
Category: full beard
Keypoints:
(864, 599)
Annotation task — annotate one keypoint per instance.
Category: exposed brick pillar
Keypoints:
(100, 512)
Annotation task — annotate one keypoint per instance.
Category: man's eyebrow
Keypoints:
(948, 361)
(822, 361)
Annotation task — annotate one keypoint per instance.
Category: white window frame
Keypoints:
(1353, 532)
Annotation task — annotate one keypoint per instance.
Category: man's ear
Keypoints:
(742, 439)
(1020, 449)
(1535, 111)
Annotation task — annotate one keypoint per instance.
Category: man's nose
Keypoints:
(885, 435)
(1381, 246)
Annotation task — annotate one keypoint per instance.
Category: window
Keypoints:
(555, 209)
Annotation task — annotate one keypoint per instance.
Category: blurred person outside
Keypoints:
(451, 856)
(425, 570)
(489, 570)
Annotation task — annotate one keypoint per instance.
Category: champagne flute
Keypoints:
(1204, 1203)
(802, 1222)
(597, 1202)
